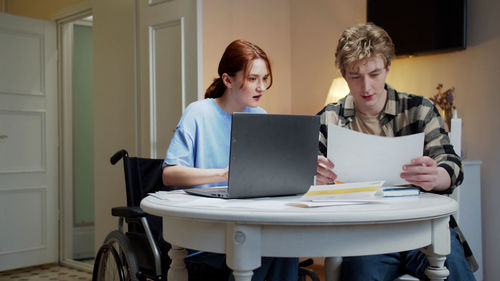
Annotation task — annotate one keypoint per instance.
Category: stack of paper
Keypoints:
(345, 189)
(358, 193)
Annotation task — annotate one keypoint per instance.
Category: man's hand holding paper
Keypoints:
(424, 172)
(324, 173)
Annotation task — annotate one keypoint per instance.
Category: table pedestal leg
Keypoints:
(437, 251)
(243, 275)
(177, 270)
(436, 269)
(243, 250)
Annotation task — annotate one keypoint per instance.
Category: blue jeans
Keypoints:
(390, 266)
(271, 269)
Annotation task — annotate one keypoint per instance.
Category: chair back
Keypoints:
(455, 134)
(142, 176)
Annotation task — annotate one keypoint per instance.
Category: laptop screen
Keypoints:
(272, 154)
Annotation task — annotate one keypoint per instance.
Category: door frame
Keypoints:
(65, 104)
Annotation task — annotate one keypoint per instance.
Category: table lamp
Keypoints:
(338, 90)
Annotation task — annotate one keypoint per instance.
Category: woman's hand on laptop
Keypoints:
(324, 173)
(178, 175)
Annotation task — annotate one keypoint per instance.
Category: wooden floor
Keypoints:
(319, 270)
(318, 267)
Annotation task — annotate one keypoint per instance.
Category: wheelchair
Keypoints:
(140, 253)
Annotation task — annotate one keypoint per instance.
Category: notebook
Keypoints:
(270, 155)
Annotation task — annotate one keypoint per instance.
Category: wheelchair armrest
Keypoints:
(306, 263)
(128, 212)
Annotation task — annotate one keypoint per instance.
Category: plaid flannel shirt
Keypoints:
(404, 114)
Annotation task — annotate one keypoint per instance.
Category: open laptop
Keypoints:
(271, 155)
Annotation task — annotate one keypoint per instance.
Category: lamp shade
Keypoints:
(338, 90)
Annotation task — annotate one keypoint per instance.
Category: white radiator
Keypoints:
(468, 196)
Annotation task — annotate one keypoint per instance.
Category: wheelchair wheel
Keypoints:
(115, 261)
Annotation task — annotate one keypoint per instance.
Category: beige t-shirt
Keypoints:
(369, 125)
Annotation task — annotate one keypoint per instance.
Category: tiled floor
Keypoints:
(45, 273)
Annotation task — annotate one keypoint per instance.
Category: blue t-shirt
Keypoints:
(202, 137)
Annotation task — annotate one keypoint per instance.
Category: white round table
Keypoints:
(247, 229)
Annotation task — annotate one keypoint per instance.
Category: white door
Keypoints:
(28, 142)
(168, 69)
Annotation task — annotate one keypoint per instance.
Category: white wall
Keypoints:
(114, 105)
(315, 29)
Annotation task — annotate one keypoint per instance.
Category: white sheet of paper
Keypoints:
(180, 198)
(363, 157)
(331, 203)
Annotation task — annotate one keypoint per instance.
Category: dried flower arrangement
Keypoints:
(444, 99)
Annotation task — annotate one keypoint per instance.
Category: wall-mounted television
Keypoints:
(421, 26)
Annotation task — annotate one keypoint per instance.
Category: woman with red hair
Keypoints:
(198, 154)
